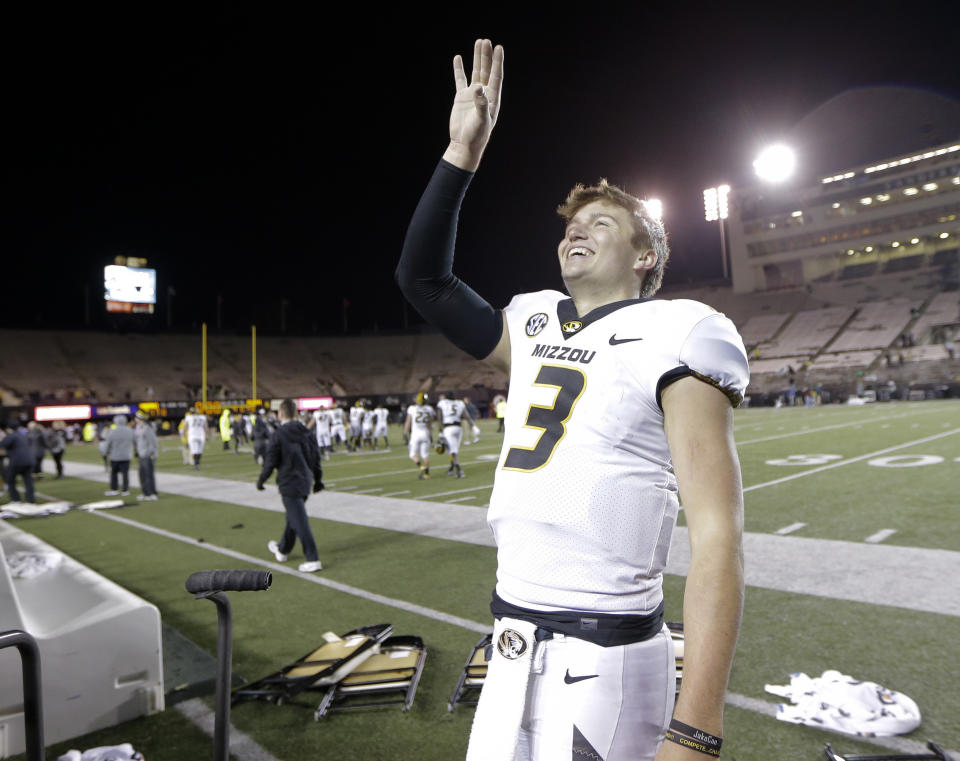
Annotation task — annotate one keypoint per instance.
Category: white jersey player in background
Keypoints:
(338, 431)
(618, 403)
(196, 436)
(453, 416)
(356, 424)
(380, 418)
(366, 426)
(418, 427)
(321, 425)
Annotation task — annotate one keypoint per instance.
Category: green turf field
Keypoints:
(845, 473)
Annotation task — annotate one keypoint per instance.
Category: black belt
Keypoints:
(456, 423)
(604, 629)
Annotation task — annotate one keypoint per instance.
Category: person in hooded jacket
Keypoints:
(293, 452)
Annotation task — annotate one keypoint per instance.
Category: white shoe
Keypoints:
(153, 498)
(142, 497)
(310, 566)
(124, 494)
(111, 493)
(274, 547)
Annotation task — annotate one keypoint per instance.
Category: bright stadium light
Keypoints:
(775, 163)
(655, 207)
(716, 209)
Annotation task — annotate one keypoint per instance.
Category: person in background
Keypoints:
(294, 454)
(261, 435)
(147, 449)
(226, 429)
(35, 434)
(20, 461)
(119, 451)
(55, 440)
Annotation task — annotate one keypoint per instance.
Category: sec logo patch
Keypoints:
(536, 324)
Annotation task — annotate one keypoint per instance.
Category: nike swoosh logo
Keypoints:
(573, 679)
(614, 340)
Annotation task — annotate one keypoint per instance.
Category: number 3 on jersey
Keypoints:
(570, 383)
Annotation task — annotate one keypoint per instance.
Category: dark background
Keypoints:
(273, 153)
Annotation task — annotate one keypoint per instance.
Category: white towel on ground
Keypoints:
(123, 752)
(839, 702)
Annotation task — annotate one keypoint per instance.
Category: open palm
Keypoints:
(476, 103)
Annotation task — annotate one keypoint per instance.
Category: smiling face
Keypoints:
(597, 251)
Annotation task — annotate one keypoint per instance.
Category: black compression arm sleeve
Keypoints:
(425, 272)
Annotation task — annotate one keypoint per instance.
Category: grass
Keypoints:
(782, 632)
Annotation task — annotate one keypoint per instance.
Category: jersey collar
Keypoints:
(571, 324)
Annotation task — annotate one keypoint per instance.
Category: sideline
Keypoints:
(205, 717)
(242, 745)
(877, 574)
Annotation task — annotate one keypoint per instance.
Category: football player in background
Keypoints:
(453, 413)
(380, 417)
(356, 423)
(338, 431)
(321, 424)
(618, 402)
(418, 427)
(196, 435)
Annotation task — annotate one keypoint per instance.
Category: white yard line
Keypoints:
(244, 747)
(461, 499)
(880, 535)
(789, 529)
(410, 607)
(368, 491)
(456, 491)
(396, 493)
(852, 460)
(826, 428)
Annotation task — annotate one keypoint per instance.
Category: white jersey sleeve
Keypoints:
(714, 353)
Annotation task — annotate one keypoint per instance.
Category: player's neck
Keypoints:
(587, 298)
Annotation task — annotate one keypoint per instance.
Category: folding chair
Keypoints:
(390, 677)
(473, 674)
(325, 665)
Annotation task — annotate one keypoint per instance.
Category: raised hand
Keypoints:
(476, 105)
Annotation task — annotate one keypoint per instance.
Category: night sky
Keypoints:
(272, 152)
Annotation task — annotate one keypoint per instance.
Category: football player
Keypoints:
(320, 422)
(418, 427)
(453, 413)
(338, 431)
(381, 416)
(618, 403)
(356, 424)
(196, 435)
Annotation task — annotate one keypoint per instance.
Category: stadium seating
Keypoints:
(100, 647)
(875, 326)
(807, 333)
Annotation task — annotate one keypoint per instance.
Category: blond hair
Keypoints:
(648, 232)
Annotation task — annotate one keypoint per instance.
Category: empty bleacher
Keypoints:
(876, 325)
(807, 333)
(762, 327)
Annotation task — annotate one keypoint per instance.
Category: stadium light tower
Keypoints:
(775, 163)
(715, 209)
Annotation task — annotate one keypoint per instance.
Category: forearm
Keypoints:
(712, 608)
(425, 271)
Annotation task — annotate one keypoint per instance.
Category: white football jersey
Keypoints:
(321, 419)
(585, 499)
(196, 426)
(380, 415)
(422, 414)
(450, 410)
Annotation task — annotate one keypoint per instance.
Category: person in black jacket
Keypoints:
(20, 461)
(293, 453)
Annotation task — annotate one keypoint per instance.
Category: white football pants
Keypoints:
(588, 701)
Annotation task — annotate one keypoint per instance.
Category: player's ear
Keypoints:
(646, 260)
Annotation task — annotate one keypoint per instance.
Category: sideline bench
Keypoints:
(100, 649)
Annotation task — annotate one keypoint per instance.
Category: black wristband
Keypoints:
(691, 737)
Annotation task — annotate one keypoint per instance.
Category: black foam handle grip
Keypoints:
(228, 581)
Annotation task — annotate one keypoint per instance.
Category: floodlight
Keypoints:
(775, 163)
(654, 208)
(715, 203)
